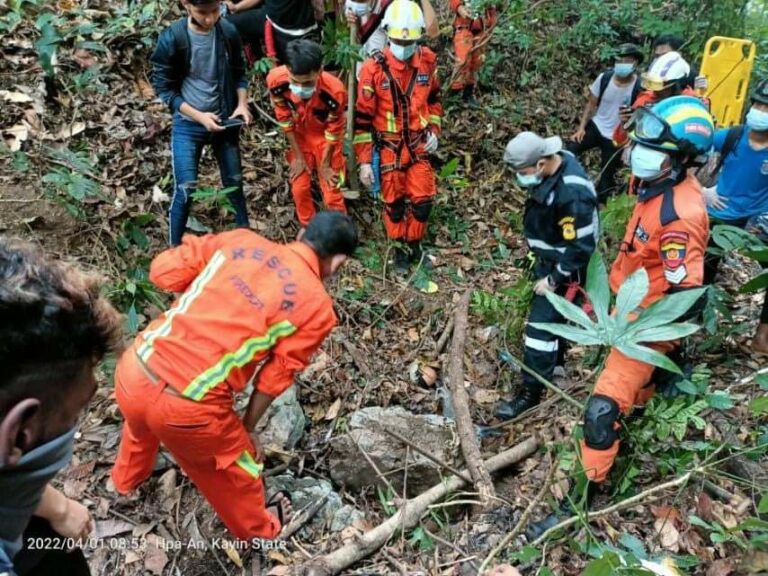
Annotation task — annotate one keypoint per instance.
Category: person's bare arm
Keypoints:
(67, 517)
(243, 5)
(586, 115)
(257, 406)
(430, 20)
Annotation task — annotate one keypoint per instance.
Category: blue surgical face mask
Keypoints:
(303, 92)
(401, 52)
(529, 180)
(623, 69)
(647, 163)
(757, 119)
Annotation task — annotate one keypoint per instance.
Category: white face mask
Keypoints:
(358, 8)
(647, 163)
(402, 53)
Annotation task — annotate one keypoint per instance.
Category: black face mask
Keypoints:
(22, 485)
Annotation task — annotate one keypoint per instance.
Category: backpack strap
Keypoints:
(604, 81)
(729, 146)
(180, 32)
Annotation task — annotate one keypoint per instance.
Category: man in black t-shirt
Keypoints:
(275, 23)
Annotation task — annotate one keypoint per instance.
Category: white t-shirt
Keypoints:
(607, 116)
(376, 41)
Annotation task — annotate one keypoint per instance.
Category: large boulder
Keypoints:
(434, 434)
(281, 428)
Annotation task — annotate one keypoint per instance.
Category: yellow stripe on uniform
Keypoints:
(146, 349)
(435, 119)
(199, 387)
(362, 138)
(247, 463)
(423, 121)
(330, 136)
(391, 124)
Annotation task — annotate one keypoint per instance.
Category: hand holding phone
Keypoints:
(232, 122)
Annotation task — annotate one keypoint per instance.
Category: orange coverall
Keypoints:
(667, 235)
(317, 123)
(467, 34)
(397, 104)
(646, 98)
(246, 301)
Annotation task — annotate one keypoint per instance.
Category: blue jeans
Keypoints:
(376, 165)
(188, 138)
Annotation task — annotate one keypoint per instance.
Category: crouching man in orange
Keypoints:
(471, 27)
(667, 235)
(310, 107)
(245, 301)
(398, 106)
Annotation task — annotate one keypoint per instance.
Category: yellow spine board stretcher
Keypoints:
(727, 66)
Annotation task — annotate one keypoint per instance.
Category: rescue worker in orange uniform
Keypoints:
(667, 76)
(310, 107)
(398, 106)
(667, 235)
(249, 308)
(471, 27)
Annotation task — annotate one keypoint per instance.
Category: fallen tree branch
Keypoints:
(637, 498)
(342, 558)
(460, 399)
(303, 518)
(523, 519)
(546, 383)
(426, 454)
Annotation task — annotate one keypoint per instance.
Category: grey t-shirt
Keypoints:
(200, 88)
(607, 116)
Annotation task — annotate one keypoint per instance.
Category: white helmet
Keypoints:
(665, 70)
(404, 20)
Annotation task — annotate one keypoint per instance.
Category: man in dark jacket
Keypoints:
(199, 73)
(561, 227)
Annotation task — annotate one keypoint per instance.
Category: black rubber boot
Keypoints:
(400, 261)
(469, 96)
(416, 252)
(525, 399)
(564, 510)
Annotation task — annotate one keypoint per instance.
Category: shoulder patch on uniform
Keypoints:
(568, 224)
(329, 100)
(641, 234)
(280, 88)
(422, 79)
(673, 248)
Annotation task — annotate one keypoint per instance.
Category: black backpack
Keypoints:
(606, 78)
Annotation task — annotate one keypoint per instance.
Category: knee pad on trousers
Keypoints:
(421, 210)
(599, 418)
(396, 210)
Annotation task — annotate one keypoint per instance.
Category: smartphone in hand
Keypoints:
(232, 123)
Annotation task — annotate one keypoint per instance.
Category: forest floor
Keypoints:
(104, 126)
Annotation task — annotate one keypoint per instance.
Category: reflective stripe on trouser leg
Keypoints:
(540, 346)
(420, 189)
(622, 380)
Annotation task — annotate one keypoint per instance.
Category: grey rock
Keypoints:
(282, 426)
(305, 492)
(432, 433)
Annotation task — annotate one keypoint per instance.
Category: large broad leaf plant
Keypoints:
(626, 327)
